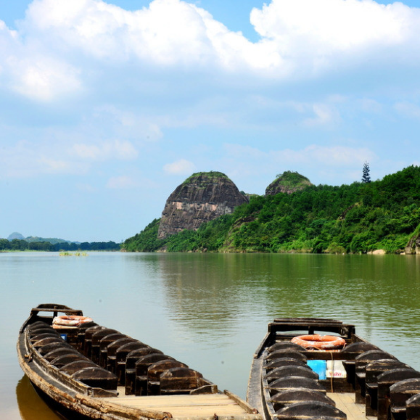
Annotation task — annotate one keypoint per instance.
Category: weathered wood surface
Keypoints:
(345, 402)
(187, 405)
(310, 409)
(291, 396)
(284, 361)
(282, 372)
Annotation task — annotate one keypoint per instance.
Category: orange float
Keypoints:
(70, 321)
(319, 342)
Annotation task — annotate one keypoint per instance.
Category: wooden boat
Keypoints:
(355, 380)
(88, 371)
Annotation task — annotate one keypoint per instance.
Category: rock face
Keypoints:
(288, 182)
(200, 198)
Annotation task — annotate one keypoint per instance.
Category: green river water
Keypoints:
(209, 311)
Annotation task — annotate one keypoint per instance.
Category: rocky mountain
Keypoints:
(200, 198)
(288, 182)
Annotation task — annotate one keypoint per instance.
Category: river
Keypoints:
(207, 310)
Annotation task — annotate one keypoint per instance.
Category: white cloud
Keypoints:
(312, 155)
(408, 109)
(180, 167)
(25, 159)
(61, 44)
(324, 115)
(371, 106)
(42, 78)
(115, 149)
(121, 182)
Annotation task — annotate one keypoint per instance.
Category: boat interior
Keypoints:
(103, 367)
(356, 381)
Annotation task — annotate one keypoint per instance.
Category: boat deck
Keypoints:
(345, 402)
(205, 405)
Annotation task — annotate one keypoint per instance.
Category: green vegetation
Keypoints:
(23, 245)
(356, 218)
(291, 179)
(211, 174)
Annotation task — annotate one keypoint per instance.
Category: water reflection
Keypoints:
(224, 293)
(31, 406)
(209, 310)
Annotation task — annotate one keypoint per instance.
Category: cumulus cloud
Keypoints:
(60, 42)
(180, 167)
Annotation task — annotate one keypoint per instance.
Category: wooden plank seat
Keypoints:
(103, 347)
(291, 382)
(412, 408)
(48, 340)
(360, 371)
(141, 366)
(37, 337)
(291, 396)
(282, 372)
(81, 334)
(350, 352)
(43, 330)
(285, 345)
(385, 381)
(65, 359)
(121, 356)
(37, 324)
(310, 409)
(96, 377)
(279, 354)
(93, 348)
(154, 372)
(39, 327)
(372, 371)
(399, 393)
(59, 352)
(179, 380)
(52, 346)
(130, 366)
(111, 360)
(88, 337)
(284, 361)
(76, 366)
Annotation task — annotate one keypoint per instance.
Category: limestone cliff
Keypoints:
(288, 182)
(200, 198)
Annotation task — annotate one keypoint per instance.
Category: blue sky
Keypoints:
(105, 107)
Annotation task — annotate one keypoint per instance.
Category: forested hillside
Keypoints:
(24, 245)
(355, 218)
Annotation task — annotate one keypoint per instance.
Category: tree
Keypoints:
(366, 173)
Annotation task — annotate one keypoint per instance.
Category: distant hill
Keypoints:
(15, 235)
(50, 240)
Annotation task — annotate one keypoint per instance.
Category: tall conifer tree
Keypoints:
(366, 173)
